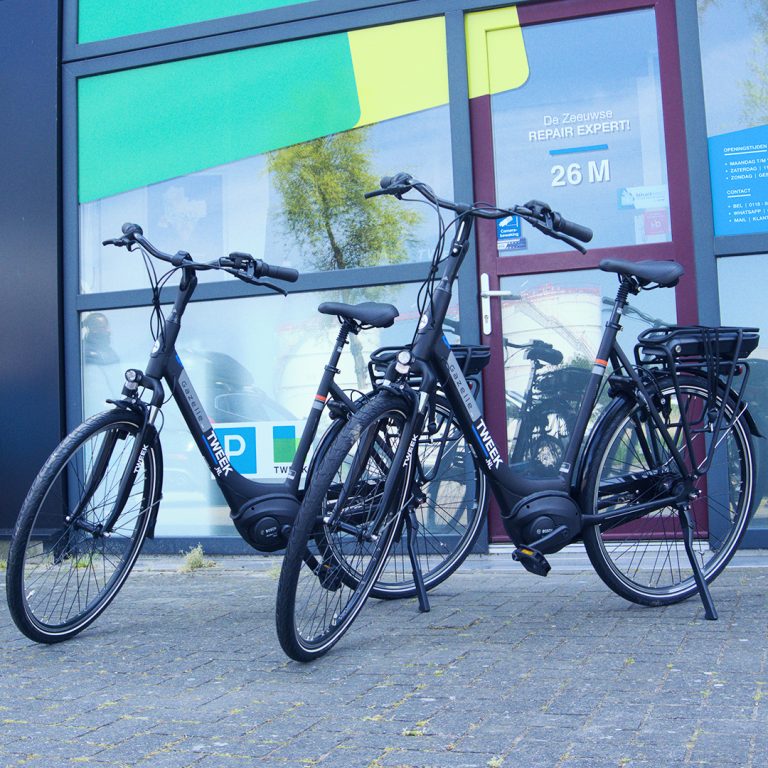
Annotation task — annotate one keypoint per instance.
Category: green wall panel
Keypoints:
(105, 19)
(145, 125)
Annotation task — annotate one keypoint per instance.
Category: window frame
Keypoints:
(707, 247)
(99, 58)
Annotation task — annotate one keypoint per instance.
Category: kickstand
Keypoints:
(411, 527)
(687, 524)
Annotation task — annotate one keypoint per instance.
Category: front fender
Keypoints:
(152, 439)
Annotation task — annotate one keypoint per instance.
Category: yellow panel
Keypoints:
(399, 68)
(496, 58)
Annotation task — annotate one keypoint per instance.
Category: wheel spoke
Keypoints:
(65, 569)
(642, 557)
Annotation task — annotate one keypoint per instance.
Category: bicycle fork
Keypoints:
(144, 439)
(407, 513)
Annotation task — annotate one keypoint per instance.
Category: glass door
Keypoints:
(576, 104)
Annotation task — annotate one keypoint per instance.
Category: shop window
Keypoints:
(267, 150)
(105, 19)
(258, 379)
(733, 36)
(584, 131)
(742, 303)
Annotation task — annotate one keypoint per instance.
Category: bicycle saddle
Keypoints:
(368, 313)
(665, 273)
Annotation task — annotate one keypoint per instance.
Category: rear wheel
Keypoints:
(642, 558)
(63, 568)
(342, 535)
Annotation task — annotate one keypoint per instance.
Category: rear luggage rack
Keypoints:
(717, 354)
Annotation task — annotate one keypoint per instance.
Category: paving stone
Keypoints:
(184, 671)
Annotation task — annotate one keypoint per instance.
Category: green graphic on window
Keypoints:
(144, 125)
(150, 124)
(105, 19)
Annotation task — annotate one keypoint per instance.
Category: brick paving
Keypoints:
(507, 670)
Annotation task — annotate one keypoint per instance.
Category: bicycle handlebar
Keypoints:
(572, 229)
(558, 222)
(286, 274)
(535, 212)
(241, 265)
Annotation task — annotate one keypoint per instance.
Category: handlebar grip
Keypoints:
(398, 184)
(401, 179)
(262, 269)
(572, 229)
(131, 229)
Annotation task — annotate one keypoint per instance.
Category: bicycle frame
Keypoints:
(259, 510)
(437, 366)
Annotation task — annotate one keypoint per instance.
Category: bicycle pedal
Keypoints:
(532, 560)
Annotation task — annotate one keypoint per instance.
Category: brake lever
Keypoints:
(556, 235)
(119, 242)
(251, 280)
(569, 241)
(272, 287)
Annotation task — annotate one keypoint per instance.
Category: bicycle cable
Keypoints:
(157, 318)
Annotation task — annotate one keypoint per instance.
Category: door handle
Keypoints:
(486, 294)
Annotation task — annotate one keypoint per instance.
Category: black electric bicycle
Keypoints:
(660, 494)
(96, 499)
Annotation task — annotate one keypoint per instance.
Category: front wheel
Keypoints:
(642, 558)
(452, 499)
(64, 567)
(343, 533)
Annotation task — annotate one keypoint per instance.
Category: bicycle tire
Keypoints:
(449, 519)
(61, 576)
(318, 594)
(452, 512)
(644, 560)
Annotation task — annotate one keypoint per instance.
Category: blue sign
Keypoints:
(509, 234)
(239, 444)
(738, 167)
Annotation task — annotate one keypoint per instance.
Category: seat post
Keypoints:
(626, 286)
(347, 327)
(321, 397)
